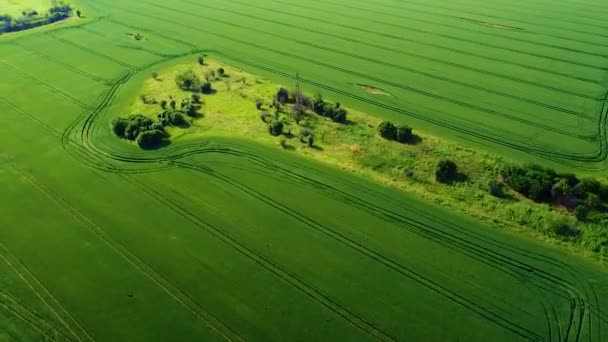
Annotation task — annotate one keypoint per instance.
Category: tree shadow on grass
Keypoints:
(415, 140)
(163, 144)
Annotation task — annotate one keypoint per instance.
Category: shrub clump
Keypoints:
(545, 185)
(207, 88)
(335, 112)
(275, 127)
(390, 131)
(188, 80)
(150, 139)
(446, 171)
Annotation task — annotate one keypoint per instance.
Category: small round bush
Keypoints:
(206, 88)
(446, 171)
(387, 130)
(275, 127)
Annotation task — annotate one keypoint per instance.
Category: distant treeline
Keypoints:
(30, 18)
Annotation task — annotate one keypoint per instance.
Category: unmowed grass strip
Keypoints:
(357, 147)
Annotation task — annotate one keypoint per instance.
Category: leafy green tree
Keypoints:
(201, 60)
(188, 80)
(163, 104)
(221, 71)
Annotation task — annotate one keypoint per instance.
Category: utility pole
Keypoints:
(298, 95)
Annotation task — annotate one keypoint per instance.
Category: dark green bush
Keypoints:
(135, 125)
(283, 95)
(150, 139)
(337, 114)
(118, 126)
(446, 171)
(404, 134)
(275, 127)
(387, 130)
(207, 88)
(533, 181)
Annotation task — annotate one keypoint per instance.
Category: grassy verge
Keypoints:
(356, 147)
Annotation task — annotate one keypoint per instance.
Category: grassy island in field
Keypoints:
(211, 99)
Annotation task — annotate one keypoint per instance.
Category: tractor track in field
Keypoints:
(413, 70)
(426, 43)
(12, 306)
(474, 42)
(395, 84)
(406, 19)
(410, 53)
(149, 272)
(65, 65)
(427, 6)
(52, 89)
(442, 47)
(74, 328)
(488, 33)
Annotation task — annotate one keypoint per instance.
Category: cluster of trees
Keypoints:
(277, 123)
(143, 130)
(326, 109)
(545, 185)
(149, 133)
(188, 81)
(31, 18)
(390, 131)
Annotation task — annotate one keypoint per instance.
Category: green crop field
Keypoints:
(224, 239)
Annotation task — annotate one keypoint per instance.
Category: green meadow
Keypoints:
(219, 236)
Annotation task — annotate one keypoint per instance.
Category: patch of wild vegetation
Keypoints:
(530, 198)
(31, 18)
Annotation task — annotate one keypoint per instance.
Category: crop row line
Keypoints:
(514, 36)
(389, 83)
(428, 5)
(421, 42)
